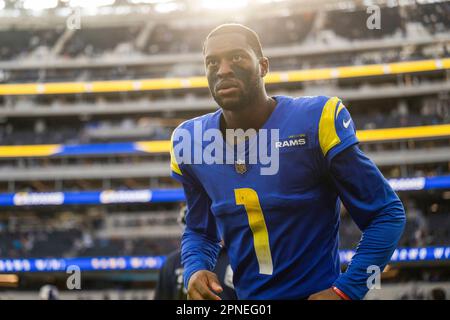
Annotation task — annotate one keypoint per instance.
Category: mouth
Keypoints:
(226, 88)
(227, 91)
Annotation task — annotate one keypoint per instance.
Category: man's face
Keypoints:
(232, 69)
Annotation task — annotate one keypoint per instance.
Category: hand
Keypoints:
(327, 294)
(203, 285)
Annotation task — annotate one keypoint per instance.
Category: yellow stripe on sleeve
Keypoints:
(173, 161)
(328, 137)
(341, 106)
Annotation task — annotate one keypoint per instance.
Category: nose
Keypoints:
(224, 69)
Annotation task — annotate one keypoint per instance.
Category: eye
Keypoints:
(211, 63)
(237, 58)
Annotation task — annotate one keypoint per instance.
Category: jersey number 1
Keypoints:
(249, 199)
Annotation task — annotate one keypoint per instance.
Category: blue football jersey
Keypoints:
(280, 230)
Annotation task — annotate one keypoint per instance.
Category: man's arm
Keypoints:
(200, 246)
(370, 200)
(200, 243)
(376, 210)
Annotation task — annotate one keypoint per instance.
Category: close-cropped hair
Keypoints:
(250, 35)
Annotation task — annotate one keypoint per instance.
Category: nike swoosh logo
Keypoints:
(346, 123)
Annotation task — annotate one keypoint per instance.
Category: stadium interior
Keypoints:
(90, 92)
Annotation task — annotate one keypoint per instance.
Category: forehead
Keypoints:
(222, 43)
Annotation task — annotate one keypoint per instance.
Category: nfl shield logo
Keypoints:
(240, 167)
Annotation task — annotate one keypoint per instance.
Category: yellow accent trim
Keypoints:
(445, 63)
(15, 89)
(310, 75)
(164, 146)
(403, 133)
(274, 77)
(173, 161)
(29, 151)
(328, 137)
(201, 82)
(160, 84)
(153, 146)
(414, 66)
(249, 199)
(360, 71)
(112, 86)
(341, 106)
(58, 88)
(198, 82)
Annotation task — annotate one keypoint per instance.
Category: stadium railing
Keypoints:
(167, 195)
(201, 82)
(423, 254)
(163, 146)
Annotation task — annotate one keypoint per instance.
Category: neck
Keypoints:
(252, 116)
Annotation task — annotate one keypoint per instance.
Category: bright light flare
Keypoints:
(91, 3)
(166, 7)
(39, 5)
(148, 1)
(224, 5)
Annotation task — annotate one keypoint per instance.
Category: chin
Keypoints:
(230, 104)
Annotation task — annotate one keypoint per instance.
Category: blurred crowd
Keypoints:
(425, 226)
(46, 131)
(276, 31)
(308, 29)
(65, 235)
(390, 114)
(71, 234)
(415, 112)
(19, 44)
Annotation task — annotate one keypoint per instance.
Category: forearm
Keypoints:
(376, 210)
(375, 248)
(198, 252)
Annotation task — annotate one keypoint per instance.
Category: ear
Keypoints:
(264, 66)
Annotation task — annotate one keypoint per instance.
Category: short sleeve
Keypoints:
(336, 129)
